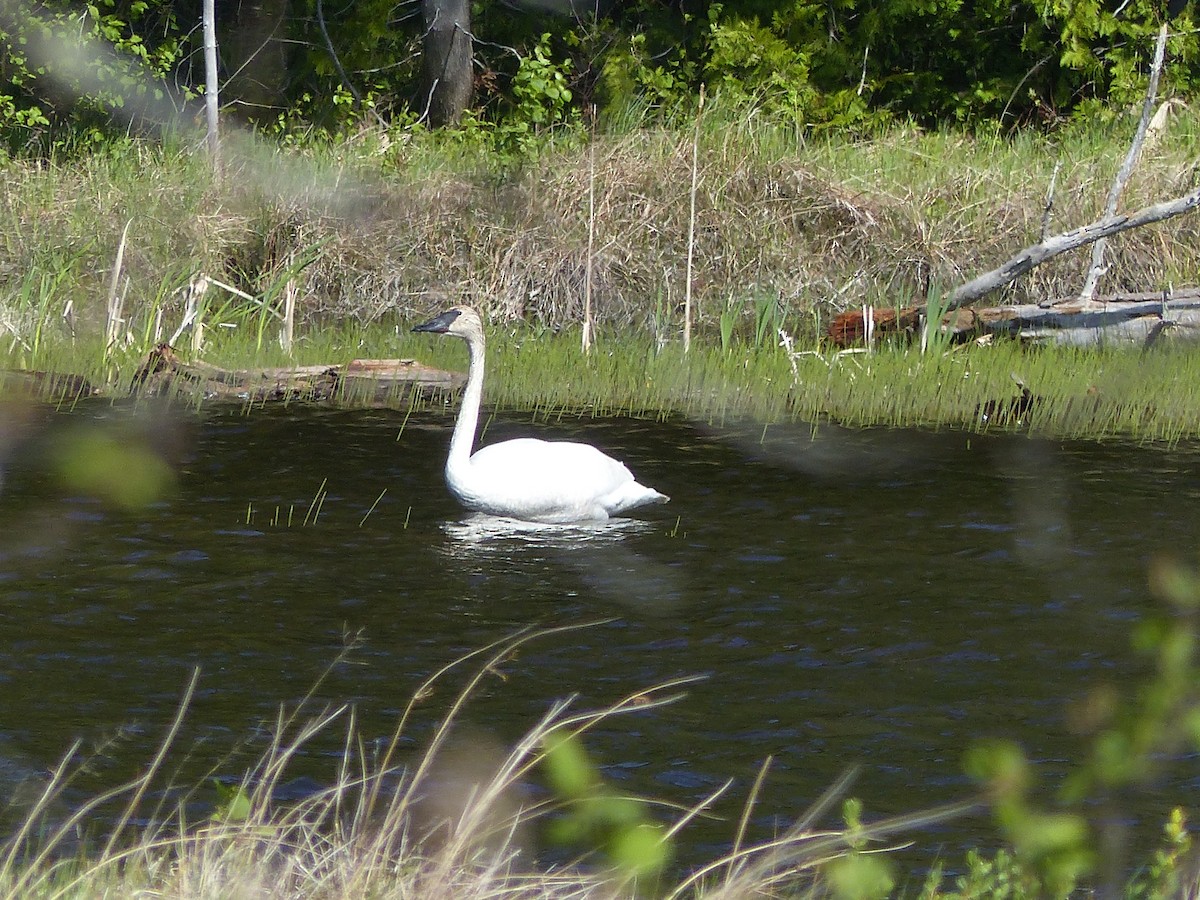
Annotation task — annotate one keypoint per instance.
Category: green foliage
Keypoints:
(858, 874)
(1131, 735)
(815, 63)
(750, 64)
(233, 803)
(541, 99)
(1108, 55)
(540, 93)
(636, 71)
(1167, 874)
(75, 74)
(594, 816)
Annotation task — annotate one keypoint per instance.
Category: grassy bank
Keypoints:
(377, 229)
(370, 235)
(1070, 394)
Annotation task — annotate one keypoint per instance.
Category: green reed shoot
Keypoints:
(318, 501)
(363, 521)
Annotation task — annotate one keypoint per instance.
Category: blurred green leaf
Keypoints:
(641, 850)
(570, 772)
(233, 803)
(860, 876)
(120, 470)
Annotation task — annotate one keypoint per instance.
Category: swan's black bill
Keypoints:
(441, 324)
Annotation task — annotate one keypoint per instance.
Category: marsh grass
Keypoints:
(386, 227)
(1075, 393)
(1084, 394)
(457, 821)
(788, 228)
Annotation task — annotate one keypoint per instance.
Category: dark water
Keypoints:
(875, 598)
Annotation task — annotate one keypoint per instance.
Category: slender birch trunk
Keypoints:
(210, 84)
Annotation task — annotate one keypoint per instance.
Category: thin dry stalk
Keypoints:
(288, 331)
(1048, 208)
(691, 239)
(591, 242)
(143, 783)
(115, 297)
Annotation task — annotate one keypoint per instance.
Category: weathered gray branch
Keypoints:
(1034, 256)
(1097, 268)
(1118, 319)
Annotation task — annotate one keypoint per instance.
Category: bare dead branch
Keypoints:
(1034, 256)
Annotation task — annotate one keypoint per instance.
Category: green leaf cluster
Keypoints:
(595, 816)
(323, 69)
(92, 69)
(1131, 733)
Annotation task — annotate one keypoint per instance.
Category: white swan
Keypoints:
(526, 478)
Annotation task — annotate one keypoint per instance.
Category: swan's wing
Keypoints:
(557, 480)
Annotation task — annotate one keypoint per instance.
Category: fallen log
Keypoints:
(372, 381)
(1138, 319)
(1131, 319)
(1085, 322)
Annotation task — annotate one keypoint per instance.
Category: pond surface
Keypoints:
(879, 598)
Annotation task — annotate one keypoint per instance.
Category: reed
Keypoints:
(821, 223)
(457, 821)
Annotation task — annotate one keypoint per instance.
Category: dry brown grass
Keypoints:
(821, 225)
(455, 823)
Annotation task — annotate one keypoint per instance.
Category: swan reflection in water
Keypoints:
(498, 534)
(596, 552)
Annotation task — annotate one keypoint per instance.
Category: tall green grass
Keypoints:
(1075, 393)
(789, 228)
(1082, 394)
(814, 224)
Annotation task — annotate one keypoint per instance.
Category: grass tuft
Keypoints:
(459, 821)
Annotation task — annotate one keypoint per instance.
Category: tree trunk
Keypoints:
(211, 104)
(446, 74)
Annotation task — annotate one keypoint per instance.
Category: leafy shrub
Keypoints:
(74, 75)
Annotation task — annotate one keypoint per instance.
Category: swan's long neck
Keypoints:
(468, 414)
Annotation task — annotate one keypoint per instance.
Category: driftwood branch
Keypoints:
(1034, 256)
(1139, 318)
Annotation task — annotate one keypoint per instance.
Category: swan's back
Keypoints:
(542, 481)
(549, 481)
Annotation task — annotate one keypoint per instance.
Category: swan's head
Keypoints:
(460, 321)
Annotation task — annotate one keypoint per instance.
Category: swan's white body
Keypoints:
(526, 478)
